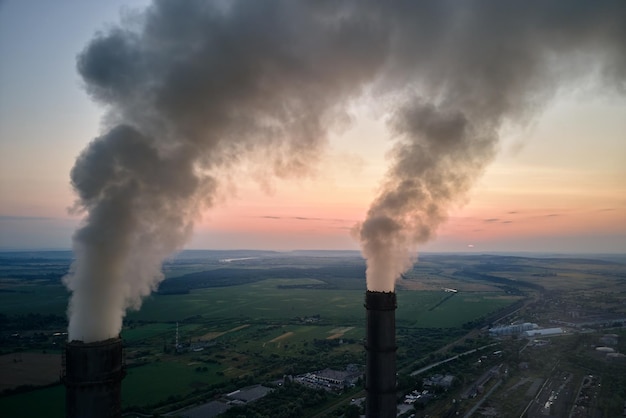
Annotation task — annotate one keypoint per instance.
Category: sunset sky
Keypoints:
(558, 183)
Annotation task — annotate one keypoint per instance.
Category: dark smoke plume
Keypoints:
(194, 88)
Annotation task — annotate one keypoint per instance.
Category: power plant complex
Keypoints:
(92, 374)
(380, 345)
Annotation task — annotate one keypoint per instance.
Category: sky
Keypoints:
(557, 183)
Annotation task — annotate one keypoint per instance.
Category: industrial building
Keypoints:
(439, 380)
(336, 377)
(543, 332)
(514, 329)
(330, 379)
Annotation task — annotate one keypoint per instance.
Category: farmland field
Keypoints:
(43, 298)
(48, 402)
(154, 382)
(254, 320)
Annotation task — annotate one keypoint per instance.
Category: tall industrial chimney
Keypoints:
(92, 374)
(380, 344)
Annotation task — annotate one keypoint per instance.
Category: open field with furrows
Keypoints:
(34, 369)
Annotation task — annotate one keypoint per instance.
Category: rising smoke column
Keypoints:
(435, 161)
(194, 88)
(465, 69)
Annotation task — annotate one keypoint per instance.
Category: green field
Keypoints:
(42, 298)
(258, 301)
(283, 317)
(257, 329)
(264, 301)
(143, 385)
(158, 381)
(48, 402)
(137, 334)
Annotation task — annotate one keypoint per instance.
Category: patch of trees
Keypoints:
(488, 319)
(421, 343)
(33, 268)
(291, 400)
(50, 277)
(327, 345)
(29, 321)
(173, 291)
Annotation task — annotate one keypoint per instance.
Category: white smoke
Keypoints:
(193, 87)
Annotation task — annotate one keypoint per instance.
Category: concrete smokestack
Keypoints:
(380, 344)
(92, 374)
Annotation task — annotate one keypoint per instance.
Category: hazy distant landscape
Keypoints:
(252, 317)
(487, 136)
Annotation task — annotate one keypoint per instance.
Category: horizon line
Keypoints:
(469, 251)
